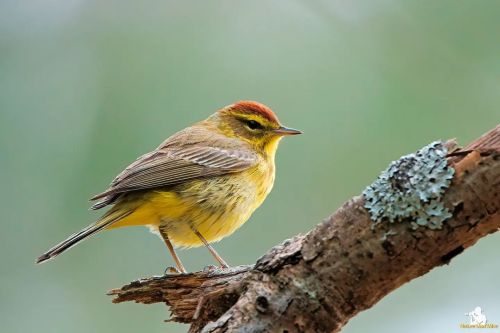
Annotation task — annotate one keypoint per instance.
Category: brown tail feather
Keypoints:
(109, 218)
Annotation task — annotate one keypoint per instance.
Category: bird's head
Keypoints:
(252, 122)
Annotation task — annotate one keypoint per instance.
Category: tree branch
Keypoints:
(318, 281)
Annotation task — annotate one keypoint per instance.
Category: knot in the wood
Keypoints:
(262, 304)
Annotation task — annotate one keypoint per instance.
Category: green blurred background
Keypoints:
(87, 86)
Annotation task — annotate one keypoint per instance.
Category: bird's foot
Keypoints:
(210, 268)
(213, 268)
(170, 270)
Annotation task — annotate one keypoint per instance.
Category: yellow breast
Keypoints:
(215, 206)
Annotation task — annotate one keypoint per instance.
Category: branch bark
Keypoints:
(318, 281)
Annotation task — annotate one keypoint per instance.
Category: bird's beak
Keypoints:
(286, 131)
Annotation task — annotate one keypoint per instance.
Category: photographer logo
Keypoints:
(477, 319)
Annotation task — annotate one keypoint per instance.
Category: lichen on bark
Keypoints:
(411, 188)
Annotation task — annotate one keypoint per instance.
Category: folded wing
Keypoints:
(174, 164)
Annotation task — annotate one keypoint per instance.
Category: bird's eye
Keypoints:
(254, 125)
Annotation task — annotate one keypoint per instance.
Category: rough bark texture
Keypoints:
(318, 281)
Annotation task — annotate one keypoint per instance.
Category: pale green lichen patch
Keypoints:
(412, 188)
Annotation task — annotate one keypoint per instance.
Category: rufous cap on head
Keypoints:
(255, 108)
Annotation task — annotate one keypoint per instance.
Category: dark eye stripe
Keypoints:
(252, 124)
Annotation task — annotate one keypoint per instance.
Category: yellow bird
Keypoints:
(199, 185)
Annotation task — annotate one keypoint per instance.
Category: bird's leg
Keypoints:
(212, 251)
(178, 262)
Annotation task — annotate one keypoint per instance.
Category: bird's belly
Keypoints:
(215, 207)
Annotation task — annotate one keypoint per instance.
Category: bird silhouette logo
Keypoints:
(477, 317)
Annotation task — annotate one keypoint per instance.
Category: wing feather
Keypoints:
(172, 164)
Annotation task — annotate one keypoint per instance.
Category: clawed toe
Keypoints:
(170, 270)
(210, 268)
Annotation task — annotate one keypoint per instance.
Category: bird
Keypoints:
(198, 186)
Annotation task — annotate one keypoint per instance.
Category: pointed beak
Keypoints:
(287, 131)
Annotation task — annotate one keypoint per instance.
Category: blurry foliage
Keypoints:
(87, 86)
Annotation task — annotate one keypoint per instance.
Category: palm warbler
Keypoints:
(199, 185)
